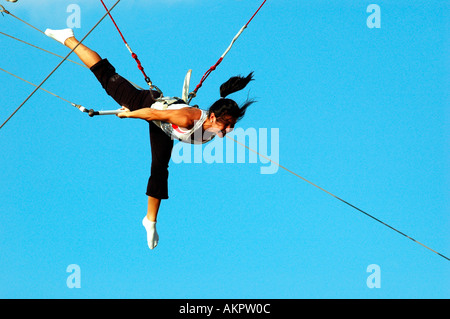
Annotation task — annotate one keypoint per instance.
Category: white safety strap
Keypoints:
(187, 80)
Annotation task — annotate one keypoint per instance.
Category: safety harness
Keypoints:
(186, 96)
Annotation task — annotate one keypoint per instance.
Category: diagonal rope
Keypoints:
(90, 112)
(54, 70)
(3, 10)
(39, 48)
(55, 54)
(41, 88)
(212, 68)
(134, 56)
(345, 202)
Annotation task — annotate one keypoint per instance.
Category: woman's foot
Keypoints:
(152, 234)
(59, 35)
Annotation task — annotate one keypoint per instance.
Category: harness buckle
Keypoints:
(157, 89)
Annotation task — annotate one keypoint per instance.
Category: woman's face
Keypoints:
(222, 125)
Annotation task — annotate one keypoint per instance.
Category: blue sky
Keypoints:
(361, 112)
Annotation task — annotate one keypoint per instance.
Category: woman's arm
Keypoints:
(184, 117)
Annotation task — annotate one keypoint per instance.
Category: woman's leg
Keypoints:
(153, 208)
(121, 90)
(157, 188)
(66, 37)
(86, 55)
(161, 149)
(127, 95)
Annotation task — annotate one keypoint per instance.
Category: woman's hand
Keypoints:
(143, 114)
(124, 113)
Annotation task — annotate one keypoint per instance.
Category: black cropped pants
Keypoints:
(125, 94)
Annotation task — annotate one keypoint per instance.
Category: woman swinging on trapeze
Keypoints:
(181, 121)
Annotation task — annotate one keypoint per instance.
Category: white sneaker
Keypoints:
(152, 234)
(59, 35)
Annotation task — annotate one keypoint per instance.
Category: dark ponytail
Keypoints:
(234, 84)
(224, 106)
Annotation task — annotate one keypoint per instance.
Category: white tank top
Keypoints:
(193, 135)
